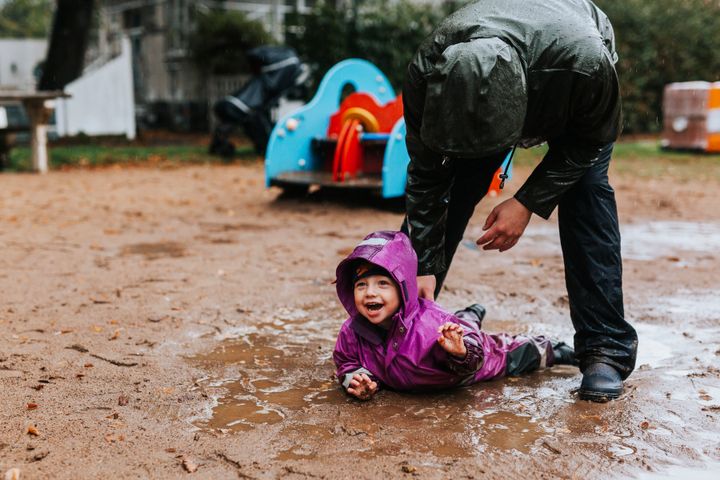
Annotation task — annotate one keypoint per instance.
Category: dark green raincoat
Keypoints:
(501, 73)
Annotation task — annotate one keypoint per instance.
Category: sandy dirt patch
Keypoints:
(163, 323)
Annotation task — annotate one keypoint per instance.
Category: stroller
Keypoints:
(276, 71)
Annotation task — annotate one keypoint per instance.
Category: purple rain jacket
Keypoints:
(407, 356)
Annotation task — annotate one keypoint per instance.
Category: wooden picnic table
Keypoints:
(38, 114)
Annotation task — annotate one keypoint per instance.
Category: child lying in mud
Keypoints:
(396, 340)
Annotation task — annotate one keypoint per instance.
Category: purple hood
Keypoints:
(391, 251)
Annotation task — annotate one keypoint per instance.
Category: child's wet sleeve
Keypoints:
(347, 358)
(475, 357)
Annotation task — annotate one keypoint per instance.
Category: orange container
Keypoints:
(691, 116)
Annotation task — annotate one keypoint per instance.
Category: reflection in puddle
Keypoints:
(510, 431)
(618, 450)
(266, 383)
(703, 472)
(640, 241)
(688, 304)
(662, 346)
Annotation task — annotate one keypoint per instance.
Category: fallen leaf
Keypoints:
(97, 329)
(645, 425)
(123, 400)
(12, 474)
(115, 335)
(189, 465)
(32, 430)
(39, 456)
(88, 365)
(552, 446)
(79, 375)
(409, 469)
(32, 406)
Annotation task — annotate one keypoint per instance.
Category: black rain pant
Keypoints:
(590, 240)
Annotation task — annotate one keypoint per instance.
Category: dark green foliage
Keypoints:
(25, 18)
(659, 41)
(221, 39)
(385, 33)
(662, 41)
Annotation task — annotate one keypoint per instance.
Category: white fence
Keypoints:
(102, 101)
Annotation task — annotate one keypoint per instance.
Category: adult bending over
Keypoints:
(498, 74)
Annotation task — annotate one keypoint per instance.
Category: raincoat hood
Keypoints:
(391, 251)
(498, 73)
(478, 83)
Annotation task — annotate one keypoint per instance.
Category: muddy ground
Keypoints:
(154, 322)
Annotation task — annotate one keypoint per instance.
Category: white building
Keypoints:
(19, 59)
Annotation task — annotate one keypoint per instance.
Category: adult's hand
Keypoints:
(426, 286)
(504, 226)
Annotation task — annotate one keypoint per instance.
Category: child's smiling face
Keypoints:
(377, 298)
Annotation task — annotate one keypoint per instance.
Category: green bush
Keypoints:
(25, 18)
(384, 33)
(221, 39)
(662, 41)
(658, 41)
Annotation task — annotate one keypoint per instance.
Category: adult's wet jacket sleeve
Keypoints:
(594, 121)
(429, 181)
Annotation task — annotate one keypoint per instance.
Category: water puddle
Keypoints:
(268, 377)
(278, 377)
(640, 241)
(708, 471)
(688, 305)
(511, 431)
(260, 381)
(618, 450)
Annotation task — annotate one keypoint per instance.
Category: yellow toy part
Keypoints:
(369, 122)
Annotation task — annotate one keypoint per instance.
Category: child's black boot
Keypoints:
(564, 354)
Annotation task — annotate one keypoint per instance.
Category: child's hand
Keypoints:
(451, 339)
(362, 387)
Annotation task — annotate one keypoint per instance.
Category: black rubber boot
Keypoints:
(564, 354)
(600, 383)
(475, 312)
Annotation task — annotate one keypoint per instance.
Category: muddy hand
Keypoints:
(362, 387)
(451, 339)
(505, 224)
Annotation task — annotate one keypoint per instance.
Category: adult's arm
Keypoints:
(594, 121)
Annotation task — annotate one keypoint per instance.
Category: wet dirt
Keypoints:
(185, 314)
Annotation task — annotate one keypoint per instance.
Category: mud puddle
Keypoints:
(682, 242)
(278, 377)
